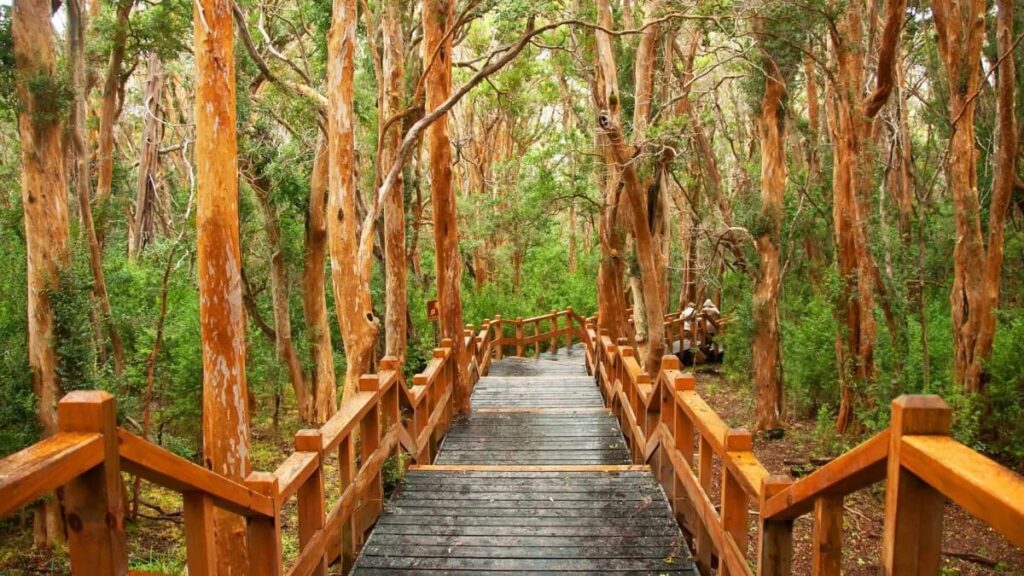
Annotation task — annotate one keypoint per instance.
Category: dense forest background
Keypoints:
(533, 193)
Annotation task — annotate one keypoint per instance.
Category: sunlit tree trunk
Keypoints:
(314, 294)
(437, 16)
(977, 269)
(221, 312)
(772, 126)
(351, 290)
(44, 202)
(395, 269)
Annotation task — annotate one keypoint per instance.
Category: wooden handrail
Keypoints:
(153, 463)
(671, 428)
(45, 466)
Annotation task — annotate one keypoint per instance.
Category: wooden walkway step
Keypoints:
(537, 479)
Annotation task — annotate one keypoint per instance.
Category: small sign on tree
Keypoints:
(432, 311)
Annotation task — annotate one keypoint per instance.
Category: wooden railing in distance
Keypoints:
(384, 416)
(670, 427)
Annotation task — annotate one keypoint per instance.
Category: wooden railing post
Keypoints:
(554, 332)
(370, 432)
(200, 547)
(683, 434)
(827, 537)
(569, 329)
(519, 336)
(734, 498)
(311, 496)
(265, 555)
(347, 474)
(775, 554)
(912, 542)
(93, 503)
(536, 338)
(499, 335)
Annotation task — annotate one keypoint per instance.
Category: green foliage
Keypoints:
(71, 304)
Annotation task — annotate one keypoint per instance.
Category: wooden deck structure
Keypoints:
(472, 474)
(537, 478)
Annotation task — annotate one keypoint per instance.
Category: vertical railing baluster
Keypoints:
(734, 498)
(519, 336)
(775, 553)
(310, 496)
(347, 474)
(369, 442)
(827, 536)
(704, 475)
(265, 555)
(499, 335)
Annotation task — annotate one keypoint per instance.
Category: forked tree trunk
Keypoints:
(314, 294)
(351, 290)
(772, 126)
(77, 25)
(144, 222)
(437, 16)
(395, 270)
(611, 303)
(44, 202)
(221, 312)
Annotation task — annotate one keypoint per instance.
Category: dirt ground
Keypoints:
(970, 548)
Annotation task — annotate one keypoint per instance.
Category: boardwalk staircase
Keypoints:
(574, 460)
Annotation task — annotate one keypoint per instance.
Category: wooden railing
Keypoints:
(85, 459)
(691, 449)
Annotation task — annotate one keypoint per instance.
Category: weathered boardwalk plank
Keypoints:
(462, 517)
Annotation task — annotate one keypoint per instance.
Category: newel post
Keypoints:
(775, 553)
(568, 325)
(369, 441)
(553, 347)
(93, 503)
(265, 556)
(912, 541)
(734, 498)
(499, 335)
(519, 336)
(311, 496)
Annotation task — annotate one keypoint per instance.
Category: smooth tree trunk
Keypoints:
(221, 311)
(109, 110)
(395, 267)
(359, 328)
(44, 202)
(977, 268)
(772, 127)
(283, 345)
(323, 386)
(77, 24)
(437, 16)
(143, 228)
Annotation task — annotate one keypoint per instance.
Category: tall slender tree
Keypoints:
(44, 202)
(221, 312)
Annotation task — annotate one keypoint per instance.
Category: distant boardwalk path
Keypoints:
(535, 480)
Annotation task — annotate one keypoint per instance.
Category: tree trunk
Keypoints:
(772, 125)
(221, 315)
(314, 294)
(437, 16)
(611, 303)
(395, 270)
(283, 346)
(44, 201)
(77, 24)
(144, 222)
(109, 111)
(351, 290)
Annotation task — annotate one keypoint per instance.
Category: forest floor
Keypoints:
(970, 548)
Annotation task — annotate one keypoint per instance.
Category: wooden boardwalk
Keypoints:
(535, 480)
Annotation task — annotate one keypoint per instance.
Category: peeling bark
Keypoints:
(395, 269)
(44, 202)
(221, 312)
(314, 294)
